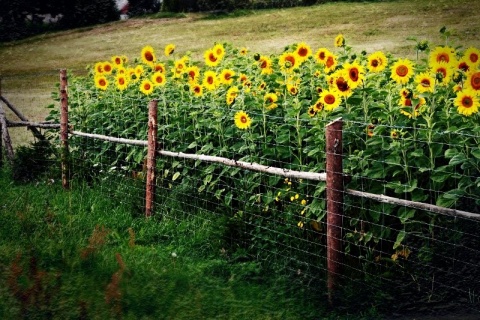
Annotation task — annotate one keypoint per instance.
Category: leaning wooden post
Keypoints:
(5, 136)
(334, 170)
(151, 157)
(64, 129)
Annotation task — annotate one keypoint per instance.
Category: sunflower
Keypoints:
(472, 55)
(121, 81)
(270, 100)
(193, 73)
(338, 81)
(146, 87)
(159, 67)
(406, 93)
(303, 51)
(226, 76)
(318, 106)
(330, 63)
(370, 128)
(311, 112)
(445, 54)
(464, 64)
(139, 70)
(242, 120)
(107, 67)
(232, 93)
(443, 72)
(211, 59)
(265, 63)
(321, 55)
(132, 75)
(158, 79)
(197, 90)
(330, 99)
(101, 82)
(394, 134)
(98, 68)
(377, 62)
(117, 61)
(467, 102)
(402, 71)
(148, 55)
(355, 73)
(210, 81)
(473, 81)
(339, 41)
(243, 51)
(289, 61)
(242, 78)
(292, 89)
(219, 50)
(169, 49)
(425, 82)
(406, 106)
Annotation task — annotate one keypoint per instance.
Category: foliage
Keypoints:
(31, 162)
(410, 132)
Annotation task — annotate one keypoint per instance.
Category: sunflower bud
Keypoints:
(256, 56)
(186, 87)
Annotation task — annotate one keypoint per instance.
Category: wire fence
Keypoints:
(408, 223)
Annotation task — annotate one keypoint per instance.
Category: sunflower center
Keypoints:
(107, 68)
(329, 62)
(102, 82)
(228, 76)
(243, 119)
(121, 81)
(148, 56)
(191, 74)
(263, 65)
(463, 66)
(291, 60)
(146, 86)
(375, 63)
(474, 57)
(118, 61)
(425, 83)
(159, 79)
(212, 57)
(342, 85)
(321, 55)
(475, 82)
(467, 102)
(303, 52)
(329, 99)
(354, 75)
(210, 80)
(196, 89)
(443, 57)
(402, 71)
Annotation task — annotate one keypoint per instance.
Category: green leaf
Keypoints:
(192, 145)
(405, 214)
(476, 153)
(449, 198)
(458, 159)
(450, 153)
(400, 237)
(175, 176)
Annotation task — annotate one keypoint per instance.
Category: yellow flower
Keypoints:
(339, 82)
(445, 54)
(219, 50)
(394, 134)
(117, 61)
(318, 106)
(270, 100)
(402, 71)
(425, 82)
(330, 99)
(121, 81)
(98, 68)
(101, 82)
(330, 63)
(406, 106)
(265, 63)
(158, 79)
(210, 81)
(169, 49)
(303, 202)
(467, 102)
(226, 76)
(321, 55)
(139, 70)
(160, 67)
(339, 41)
(443, 72)
(292, 89)
(300, 224)
(303, 51)
(211, 59)
(289, 61)
(242, 120)
(232, 93)
(193, 73)
(148, 55)
(311, 112)
(197, 90)
(107, 67)
(473, 81)
(146, 87)
(377, 62)
(472, 55)
(355, 74)
(243, 51)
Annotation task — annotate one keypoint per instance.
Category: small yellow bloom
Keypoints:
(242, 120)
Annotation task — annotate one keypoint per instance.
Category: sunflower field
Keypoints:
(411, 130)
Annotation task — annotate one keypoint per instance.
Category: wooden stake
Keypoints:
(334, 170)
(151, 157)
(64, 129)
(5, 135)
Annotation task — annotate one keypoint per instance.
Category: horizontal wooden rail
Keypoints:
(44, 125)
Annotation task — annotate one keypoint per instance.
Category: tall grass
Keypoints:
(85, 254)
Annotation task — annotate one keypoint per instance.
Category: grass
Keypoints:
(89, 253)
(30, 67)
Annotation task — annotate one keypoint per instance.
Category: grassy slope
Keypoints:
(30, 67)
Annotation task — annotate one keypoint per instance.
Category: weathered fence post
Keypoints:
(64, 129)
(151, 157)
(5, 135)
(334, 170)
(1, 139)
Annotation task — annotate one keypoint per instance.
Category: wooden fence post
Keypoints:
(151, 157)
(334, 170)
(64, 129)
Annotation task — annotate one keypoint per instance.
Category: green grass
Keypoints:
(59, 253)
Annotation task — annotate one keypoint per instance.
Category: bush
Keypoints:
(31, 162)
